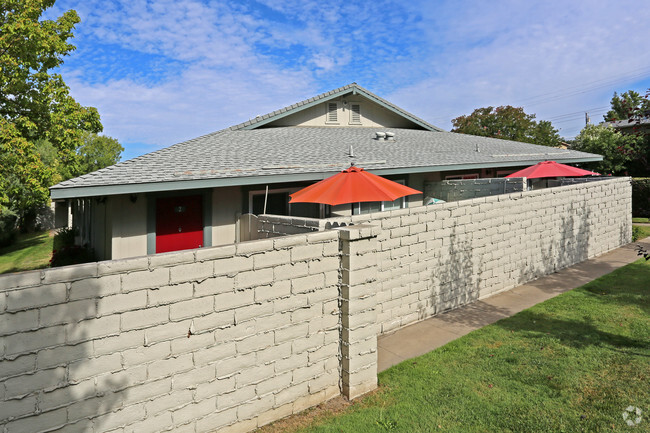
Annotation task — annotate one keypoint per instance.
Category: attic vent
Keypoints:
(332, 112)
(355, 114)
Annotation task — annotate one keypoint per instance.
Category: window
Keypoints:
(462, 176)
(332, 112)
(379, 206)
(277, 203)
(355, 114)
(504, 173)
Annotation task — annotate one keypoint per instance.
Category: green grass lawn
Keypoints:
(641, 220)
(640, 232)
(31, 251)
(571, 364)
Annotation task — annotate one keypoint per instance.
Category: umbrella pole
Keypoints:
(266, 196)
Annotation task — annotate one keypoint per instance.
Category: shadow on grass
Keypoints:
(571, 333)
(627, 286)
(30, 240)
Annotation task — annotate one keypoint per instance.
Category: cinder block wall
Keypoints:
(231, 338)
(438, 257)
(465, 189)
(226, 338)
(270, 226)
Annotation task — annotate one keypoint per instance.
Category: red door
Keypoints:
(179, 223)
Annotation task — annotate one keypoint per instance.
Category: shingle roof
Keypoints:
(281, 154)
(630, 123)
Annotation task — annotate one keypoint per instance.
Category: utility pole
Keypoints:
(586, 118)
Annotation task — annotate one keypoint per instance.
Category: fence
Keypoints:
(464, 189)
(234, 337)
(438, 257)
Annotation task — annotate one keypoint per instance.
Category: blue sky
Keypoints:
(164, 71)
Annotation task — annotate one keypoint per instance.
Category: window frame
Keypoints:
(356, 207)
(323, 209)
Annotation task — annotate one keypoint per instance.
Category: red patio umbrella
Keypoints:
(550, 169)
(352, 185)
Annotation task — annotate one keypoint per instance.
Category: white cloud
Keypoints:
(219, 63)
(522, 50)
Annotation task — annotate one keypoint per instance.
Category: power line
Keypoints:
(568, 92)
(581, 112)
(588, 87)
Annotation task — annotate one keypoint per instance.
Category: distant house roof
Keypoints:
(630, 123)
(249, 153)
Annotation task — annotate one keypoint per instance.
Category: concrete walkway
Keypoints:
(424, 336)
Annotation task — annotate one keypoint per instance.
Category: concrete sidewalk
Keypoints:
(423, 337)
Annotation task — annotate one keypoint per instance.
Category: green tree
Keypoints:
(629, 105)
(509, 123)
(35, 103)
(95, 152)
(635, 108)
(618, 150)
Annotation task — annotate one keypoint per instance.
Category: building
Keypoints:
(193, 194)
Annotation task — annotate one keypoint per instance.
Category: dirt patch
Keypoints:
(314, 415)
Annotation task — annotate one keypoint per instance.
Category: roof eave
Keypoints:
(400, 112)
(63, 193)
(291, 111)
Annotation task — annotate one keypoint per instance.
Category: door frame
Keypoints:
(206, 196)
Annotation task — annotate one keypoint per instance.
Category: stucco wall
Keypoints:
(226, 205)
(372, 115)
(128, 222)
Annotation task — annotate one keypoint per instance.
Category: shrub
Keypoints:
(73, 255)
(66, 252)
(8, 226)
(65, 237)
(641, 197)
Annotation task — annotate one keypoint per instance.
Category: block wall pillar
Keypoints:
(358, 309)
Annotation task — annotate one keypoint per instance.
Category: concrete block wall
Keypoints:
(230, 338)
(434, 258)
(270, 226)
(575, 180)
(226, 338)
(465, 189)
(358, 309)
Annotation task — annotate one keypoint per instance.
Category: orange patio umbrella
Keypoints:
(352, 185)
(550, 169)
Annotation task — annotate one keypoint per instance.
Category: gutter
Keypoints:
(62, 193)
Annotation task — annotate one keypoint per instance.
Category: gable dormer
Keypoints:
(348, 110)
(350, 106)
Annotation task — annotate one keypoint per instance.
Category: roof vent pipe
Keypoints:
(380, 135)
(390, 136)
